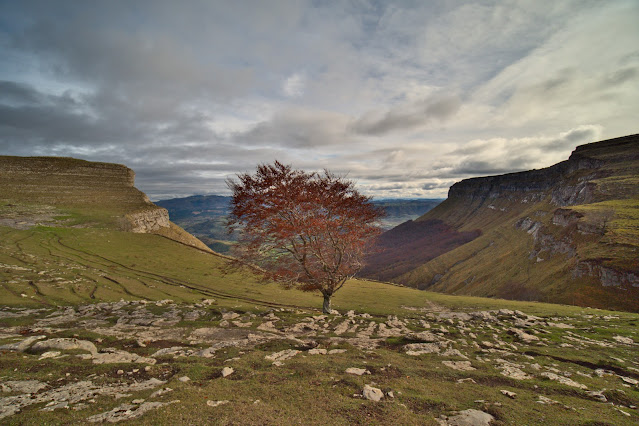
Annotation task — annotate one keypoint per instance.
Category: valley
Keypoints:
(205, 216)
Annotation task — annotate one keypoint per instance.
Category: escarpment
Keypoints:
(80, 193)
(106, 189)
(568, 233)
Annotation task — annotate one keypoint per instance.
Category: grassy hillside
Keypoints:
(566, 234)
(163, 312)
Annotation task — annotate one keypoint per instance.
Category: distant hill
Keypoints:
(205, 215)
(565, 234)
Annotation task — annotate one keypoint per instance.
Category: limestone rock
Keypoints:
(118, 356)
(522, 335)
(22, 386)
(509, 394)
(357, 371)
(23, 345)
(65, 344)
(470, 417)
(227, 371)
(372, 394)
(127, 412)
(563, 380)
(459, 365)
(278, 357)
(624, 340)
(415, 349)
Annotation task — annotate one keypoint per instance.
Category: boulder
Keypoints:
(372, 394)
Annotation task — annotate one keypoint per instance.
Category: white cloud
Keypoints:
(293, 86)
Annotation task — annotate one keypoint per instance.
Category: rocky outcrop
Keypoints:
(535, 185)
(100, 189)
(608, 277)
(146, 221)
(565, 234)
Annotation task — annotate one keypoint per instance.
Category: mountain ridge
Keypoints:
(567, 233)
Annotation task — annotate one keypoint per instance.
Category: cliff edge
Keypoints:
(64, 191)
(568, 233)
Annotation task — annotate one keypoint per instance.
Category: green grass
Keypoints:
(66, 266)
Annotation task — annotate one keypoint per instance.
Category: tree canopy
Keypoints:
(309, 230)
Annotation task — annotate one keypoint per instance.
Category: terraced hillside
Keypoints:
(71, 192)
(568, 233)
(101, 325)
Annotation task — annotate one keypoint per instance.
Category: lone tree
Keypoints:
(305, 230)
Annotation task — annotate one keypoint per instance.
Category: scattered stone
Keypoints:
(372, 394)
(211, 403)
(53, 406)
(357, 371)
(629, 380)
(72, 393)
(278, 357)
(468, 379)
(453, 352)
(22, 345)
(459, 365)
(336, 351)
(317, 351)
(512, 370)
(563, 380)
(522, 335)
(424, 336)
(598, 395)
(137, 401)
(118, 357)
(415, 349)
(49, 354)
(469, 417)
(160, 392)
(623, 339)
(65, 344)
(127, 412)
(22, 386)
(509, 394)
(184, 379)
(227, 371)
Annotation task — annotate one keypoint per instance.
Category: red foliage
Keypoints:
(305, 229)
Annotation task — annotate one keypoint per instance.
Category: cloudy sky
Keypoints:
(406, 97)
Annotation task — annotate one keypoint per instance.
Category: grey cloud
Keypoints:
(428, 186)
(482, 168)
(18, 93)
(407, 117)
(621, 76)
(498, 156)
(299, 128)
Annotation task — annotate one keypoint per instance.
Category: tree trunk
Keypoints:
(326, 308)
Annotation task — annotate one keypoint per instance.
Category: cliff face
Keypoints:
(568, 233)
(84, 193)
(104, 188)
